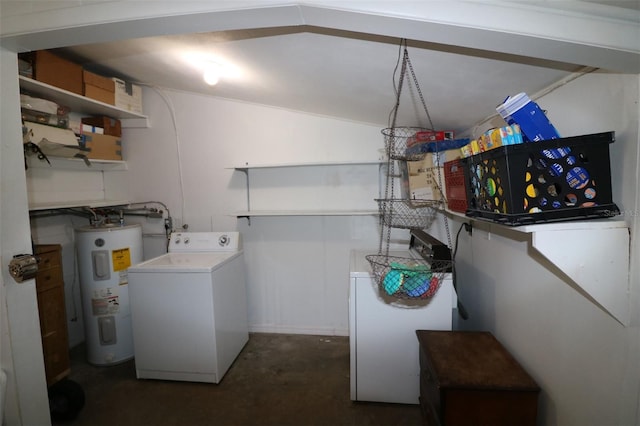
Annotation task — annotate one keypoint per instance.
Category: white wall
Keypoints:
(297, 265)
(584, 360)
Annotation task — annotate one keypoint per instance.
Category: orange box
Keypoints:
(54, 70)
(102, 147)
(97, 87)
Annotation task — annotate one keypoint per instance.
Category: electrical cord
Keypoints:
(172, 111)
(462, 311)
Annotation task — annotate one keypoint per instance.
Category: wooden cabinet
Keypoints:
(51, 307)
(468, 378)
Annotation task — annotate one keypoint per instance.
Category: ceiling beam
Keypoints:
(583, 35)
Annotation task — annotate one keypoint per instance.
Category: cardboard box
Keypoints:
(102, 147)
(110, 126)
(441, 157)
(419, 180)
(128, 96)
(98, 87)
(54, 70)
(99, 94)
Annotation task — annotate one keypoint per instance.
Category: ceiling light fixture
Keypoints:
(212, 73)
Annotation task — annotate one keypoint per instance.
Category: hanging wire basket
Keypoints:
(398, 139)
(408, 278)
(408, 214)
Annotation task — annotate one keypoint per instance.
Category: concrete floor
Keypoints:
(278, 379)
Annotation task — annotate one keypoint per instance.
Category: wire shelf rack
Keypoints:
(408, 214)
(398, 139)
(398, 277)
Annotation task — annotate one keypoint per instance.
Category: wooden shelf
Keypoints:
(82, 104)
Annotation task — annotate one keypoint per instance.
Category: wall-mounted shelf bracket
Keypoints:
(246, 173)
(594, 254)
(597, 260)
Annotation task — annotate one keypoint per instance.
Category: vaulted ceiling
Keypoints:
(342, 61)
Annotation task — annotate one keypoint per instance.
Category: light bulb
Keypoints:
(211, 76)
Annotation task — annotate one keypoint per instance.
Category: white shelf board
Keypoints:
(589, 224)
(306, 213)
(80, 203)
(593, 253)
(310, 164)
(76, 164)
(78, 103)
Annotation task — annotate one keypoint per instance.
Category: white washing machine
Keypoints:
(384, 349)
(189, 308)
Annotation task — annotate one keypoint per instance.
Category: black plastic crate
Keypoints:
(546, 181)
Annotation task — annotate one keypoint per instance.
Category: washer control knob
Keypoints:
(177, 241)
(223, 240)
(186, 240)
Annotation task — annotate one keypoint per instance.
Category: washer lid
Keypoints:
(185, 262)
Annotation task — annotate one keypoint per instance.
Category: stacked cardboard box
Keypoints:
(49, 68)
(99, 137)
(128, 96)
(54, 70)
(102, 147)
(420, 180)
(98, 87)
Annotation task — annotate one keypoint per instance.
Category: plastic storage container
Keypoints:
(554, 180)
(533, 122)
(454, 184)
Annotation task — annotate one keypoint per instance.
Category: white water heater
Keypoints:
(104, 255)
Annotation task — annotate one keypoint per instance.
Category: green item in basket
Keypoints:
(412, 277)
(409, 269)
(393, 281)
